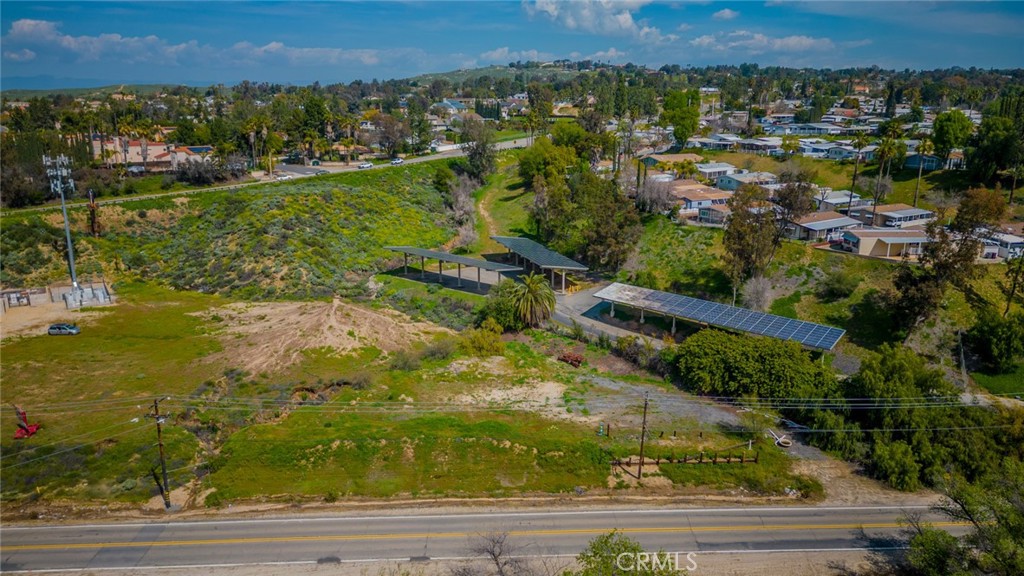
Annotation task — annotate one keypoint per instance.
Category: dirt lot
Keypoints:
(272, 335)
(33, 320)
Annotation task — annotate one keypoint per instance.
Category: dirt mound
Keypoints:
(265, 337)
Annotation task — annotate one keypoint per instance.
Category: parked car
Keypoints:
(63, 330)
(365, 165)
(397, 161)
(322, 172)
(285, 177)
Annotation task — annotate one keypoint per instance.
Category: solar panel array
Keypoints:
(722, 315)
(454, 258)
(538, 254)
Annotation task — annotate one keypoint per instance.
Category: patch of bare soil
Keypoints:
(626, 477)
(845, 486)
(541, 396)
(33, 320)
(272, 335)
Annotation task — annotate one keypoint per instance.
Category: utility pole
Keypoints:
(59, 170)
(643, 436)
(165, 489)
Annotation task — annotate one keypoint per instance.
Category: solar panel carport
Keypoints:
(540, 256)
(454, 258)
(720, 315)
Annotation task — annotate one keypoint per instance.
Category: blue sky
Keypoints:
(299, 42)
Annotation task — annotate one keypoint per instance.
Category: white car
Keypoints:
(365, 165)
(397, 161)
(284, 177)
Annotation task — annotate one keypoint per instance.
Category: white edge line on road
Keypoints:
(293, 519)
(438, 559)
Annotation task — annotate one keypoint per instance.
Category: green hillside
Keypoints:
(301, 239)
(93, 92)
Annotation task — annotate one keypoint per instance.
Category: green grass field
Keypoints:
(263, 435)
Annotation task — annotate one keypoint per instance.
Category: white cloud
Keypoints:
(29, 39)
(604, 17)
(504, 55)
(725, 14)
(608, 55)
(44, 35)
(684, 27)
(23, 55)
(755, 43)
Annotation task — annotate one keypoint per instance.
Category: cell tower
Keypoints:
(58, 169)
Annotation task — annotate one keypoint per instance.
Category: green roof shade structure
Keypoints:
(453, 258)
(539, 254)
(722, 315)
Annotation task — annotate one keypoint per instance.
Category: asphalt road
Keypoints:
(305, 540)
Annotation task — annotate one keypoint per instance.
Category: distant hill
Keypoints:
(494, 72)
(59, 86)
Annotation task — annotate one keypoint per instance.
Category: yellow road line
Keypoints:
(442, 535)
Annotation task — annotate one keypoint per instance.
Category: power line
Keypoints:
(63, 441)
(59, 452)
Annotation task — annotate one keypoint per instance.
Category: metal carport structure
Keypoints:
(710, 313)
(453, 258)
(540, 256)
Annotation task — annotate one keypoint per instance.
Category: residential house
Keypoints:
(735, 180)
(892, 215)
(655, 159)
(930, 162)
(847, 152)
(714, 214)
(761, 145)
(1008, 245)
(712, 170)
(815, 129)
(839, 200)
(692, 200)
(884, 243)
(816, 226)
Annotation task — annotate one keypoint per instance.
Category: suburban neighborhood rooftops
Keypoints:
(749, 177)
(712, 166)
(826, 220)
(538, 253)
(894, 235)
(677, 157)
(904, 212)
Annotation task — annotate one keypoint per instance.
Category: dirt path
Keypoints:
(490, 228)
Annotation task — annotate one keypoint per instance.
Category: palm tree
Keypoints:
(1018, 173)
(860, 141)
(885, 152)
(925, 148)
(534, 299)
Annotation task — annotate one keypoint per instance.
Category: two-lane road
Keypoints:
(302, 540)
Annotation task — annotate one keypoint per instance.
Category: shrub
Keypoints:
(501, 307)
(571, 358)
(998, 341)
(359, 380)
(578, 333)
(838, 285)
(483, 341)
(405, 361)
(439, 349)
